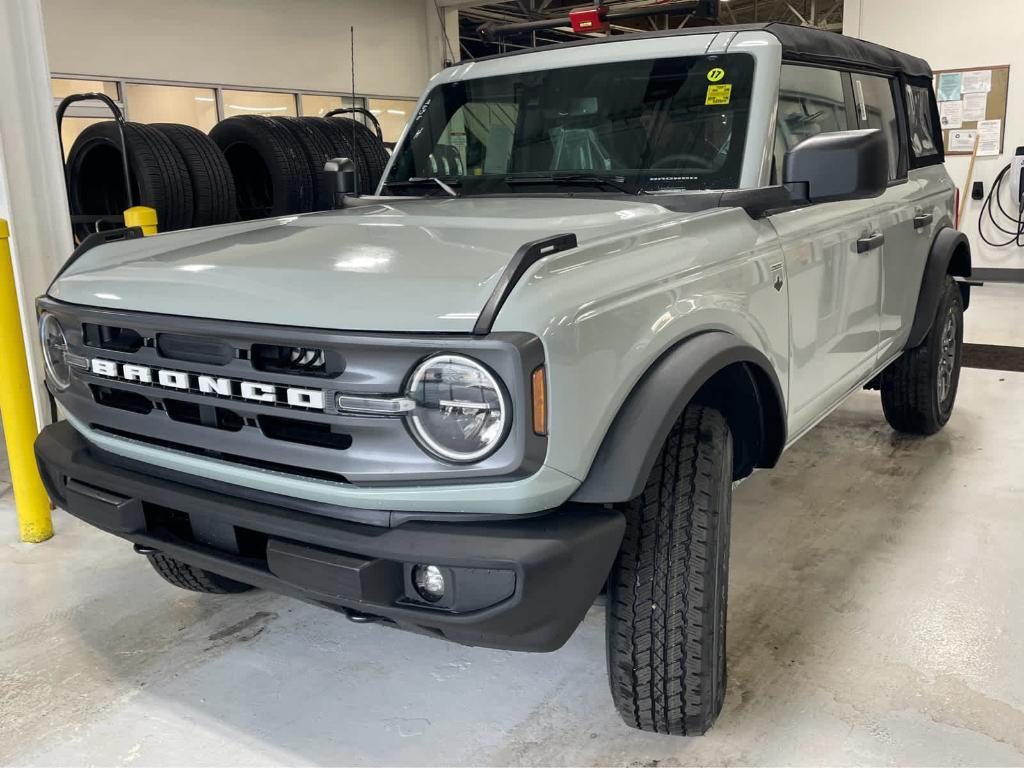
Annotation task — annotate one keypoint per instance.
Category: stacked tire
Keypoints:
(249, 167)
(277, 162)
(174, 169)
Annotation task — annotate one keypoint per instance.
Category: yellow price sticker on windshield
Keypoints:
(718, 95)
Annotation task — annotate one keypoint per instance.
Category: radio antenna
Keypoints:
(352, 37)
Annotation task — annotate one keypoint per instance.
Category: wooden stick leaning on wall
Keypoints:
(967, 187)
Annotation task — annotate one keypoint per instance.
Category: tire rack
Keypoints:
(101, 218)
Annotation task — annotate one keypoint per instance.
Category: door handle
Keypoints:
(870, 242)
(922, 220)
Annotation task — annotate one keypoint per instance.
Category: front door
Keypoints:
(833, 256)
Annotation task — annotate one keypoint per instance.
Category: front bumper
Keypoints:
(520, 585)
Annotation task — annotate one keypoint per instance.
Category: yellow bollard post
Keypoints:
(141, 216)
(19, 418)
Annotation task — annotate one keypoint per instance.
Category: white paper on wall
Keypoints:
(977, 82)
(975, 107)
(962, 141)
(952, 114)
(991, 134)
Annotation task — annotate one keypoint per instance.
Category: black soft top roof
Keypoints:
(798, 44)
(818, 45)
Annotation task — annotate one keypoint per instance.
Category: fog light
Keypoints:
(429, 582)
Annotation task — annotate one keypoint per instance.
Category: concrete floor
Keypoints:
(875, 618)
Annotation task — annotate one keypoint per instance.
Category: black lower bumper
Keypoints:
(516, 584)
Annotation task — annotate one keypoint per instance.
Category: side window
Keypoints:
(923, 144)
(811, 101)
(877, 109)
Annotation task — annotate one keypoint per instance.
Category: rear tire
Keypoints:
(185, 576)
(668, 590)
(919, 389)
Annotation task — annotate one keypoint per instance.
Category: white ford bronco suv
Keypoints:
(599, 284)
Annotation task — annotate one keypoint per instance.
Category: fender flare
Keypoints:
(950, 255)
(630, 448)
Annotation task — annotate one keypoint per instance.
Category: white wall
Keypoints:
(292, 44)
(32, 196)
(952, 34)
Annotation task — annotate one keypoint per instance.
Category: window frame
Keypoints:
(902, 129)
(218, 89)
(906, 161)
(397, 170)
(852, 121)
(935, 123)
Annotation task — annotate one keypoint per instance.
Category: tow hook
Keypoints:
(358, 617)
(142, 549)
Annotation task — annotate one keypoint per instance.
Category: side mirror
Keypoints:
(848, 165)
(338, 179)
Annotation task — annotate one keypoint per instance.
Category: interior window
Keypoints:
(919, 115)
(392, 114)
(811, 102)
(82, 114)
(877, 109)
(172, 104)
(259, 103)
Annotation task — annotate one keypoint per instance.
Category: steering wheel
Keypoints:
(683, 160)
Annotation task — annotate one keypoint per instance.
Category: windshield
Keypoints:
(634, 126)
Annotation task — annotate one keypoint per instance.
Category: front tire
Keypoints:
(919, 389)
(668, 590)
(185, 576)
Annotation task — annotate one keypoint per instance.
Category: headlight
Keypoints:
(461, 412)
(55, 352)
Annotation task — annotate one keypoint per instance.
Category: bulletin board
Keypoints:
(972, 107)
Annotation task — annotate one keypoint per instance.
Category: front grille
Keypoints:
(111, 337)
(310, 361)
(203, 415)
(125, 401)
(180, 383)
(304, 432)
(247, 461)
(194, 349)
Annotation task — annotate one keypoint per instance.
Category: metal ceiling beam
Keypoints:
(464, 3)
(823, 14)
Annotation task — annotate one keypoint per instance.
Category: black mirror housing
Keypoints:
(847, 165)
(338, 179)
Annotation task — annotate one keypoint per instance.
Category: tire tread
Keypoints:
(665, 631)
(185, 576)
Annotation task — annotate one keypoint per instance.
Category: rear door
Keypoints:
(924, 205)
(908, 210)
(833, 257)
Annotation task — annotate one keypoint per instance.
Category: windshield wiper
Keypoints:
(587, 179)
(419, 181)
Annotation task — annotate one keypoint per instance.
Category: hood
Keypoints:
(409, 265)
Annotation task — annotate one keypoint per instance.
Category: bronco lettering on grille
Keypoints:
(218, 386)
